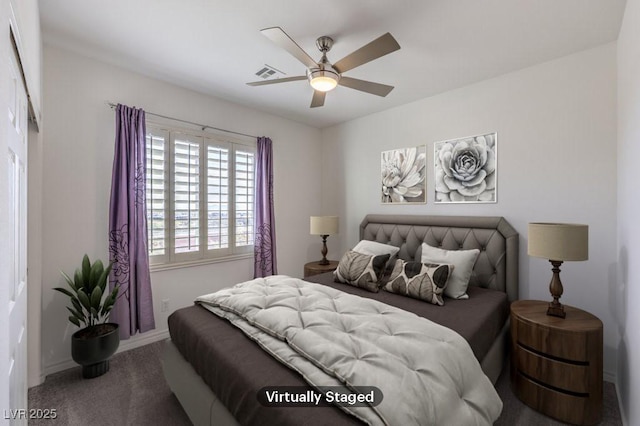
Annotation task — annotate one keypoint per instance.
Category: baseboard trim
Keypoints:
(613, 378)
(609, 377)
(143, 339)
(38, 381)
(623, 416)
(125, 345)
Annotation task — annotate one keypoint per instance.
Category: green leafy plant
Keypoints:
(90, 303)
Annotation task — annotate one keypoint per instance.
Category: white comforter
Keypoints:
(427, 373)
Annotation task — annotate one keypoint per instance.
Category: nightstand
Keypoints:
(556, 363)
(314, 268)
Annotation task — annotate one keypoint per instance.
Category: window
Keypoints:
(200, 196)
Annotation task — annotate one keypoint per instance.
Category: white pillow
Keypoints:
(373, 248)
(463, 261)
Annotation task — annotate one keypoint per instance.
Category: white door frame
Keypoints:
(15, 371)
(4, 251)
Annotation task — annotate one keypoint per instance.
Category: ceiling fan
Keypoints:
(324, 76)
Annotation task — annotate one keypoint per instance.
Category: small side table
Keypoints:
(556, 363)
(314, 268)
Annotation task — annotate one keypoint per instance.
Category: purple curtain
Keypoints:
(265, 222)
(128, 226)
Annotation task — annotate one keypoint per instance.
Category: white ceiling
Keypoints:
(215, 46)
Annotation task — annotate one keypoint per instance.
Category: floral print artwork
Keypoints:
(403, 175)
(465, 169)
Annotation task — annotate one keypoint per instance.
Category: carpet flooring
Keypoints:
(134, 392)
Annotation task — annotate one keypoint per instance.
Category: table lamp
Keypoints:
(324, 226)
(558, 242)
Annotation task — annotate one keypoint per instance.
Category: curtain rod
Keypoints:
(203, 126)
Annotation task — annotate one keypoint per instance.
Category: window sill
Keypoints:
(188, 264)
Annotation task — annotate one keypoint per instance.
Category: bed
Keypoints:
(215, 370)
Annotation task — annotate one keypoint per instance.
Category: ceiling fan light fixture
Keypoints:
(323, 80)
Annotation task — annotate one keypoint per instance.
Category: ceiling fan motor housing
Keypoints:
(324, 43)
(323, 77)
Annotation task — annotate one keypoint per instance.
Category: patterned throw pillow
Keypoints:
(425, 281)
(361, 270)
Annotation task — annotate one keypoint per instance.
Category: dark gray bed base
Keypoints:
(496, 268)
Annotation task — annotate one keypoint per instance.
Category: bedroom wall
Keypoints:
(78, 155)
(628, 290)
(556, 125)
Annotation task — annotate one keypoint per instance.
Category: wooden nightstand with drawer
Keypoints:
(556, 363)
(315, 268)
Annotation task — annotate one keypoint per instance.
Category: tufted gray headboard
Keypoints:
(497, 240)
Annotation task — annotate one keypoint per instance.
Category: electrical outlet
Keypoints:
(165, 305)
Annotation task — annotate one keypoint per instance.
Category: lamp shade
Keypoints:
(324, 225)
(559, 241)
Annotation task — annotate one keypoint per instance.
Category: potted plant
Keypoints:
(91, 304)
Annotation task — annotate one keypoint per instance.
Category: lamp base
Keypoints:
(556, 310)
(324, 251)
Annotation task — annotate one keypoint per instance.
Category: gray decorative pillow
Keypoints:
(424, 281)
(361, 270)
(375, 248)
(464, 260)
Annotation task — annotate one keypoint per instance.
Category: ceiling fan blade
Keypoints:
(277, 80)
(365, 86)
(279, 37)
(318, 99)
(381, 46)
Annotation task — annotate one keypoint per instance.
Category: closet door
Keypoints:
(17, 214)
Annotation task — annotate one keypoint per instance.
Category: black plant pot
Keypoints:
(91, 347)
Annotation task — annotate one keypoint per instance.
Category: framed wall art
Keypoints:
(466, 169)
(403, 173)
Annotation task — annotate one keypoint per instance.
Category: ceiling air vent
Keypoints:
(268, 71)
